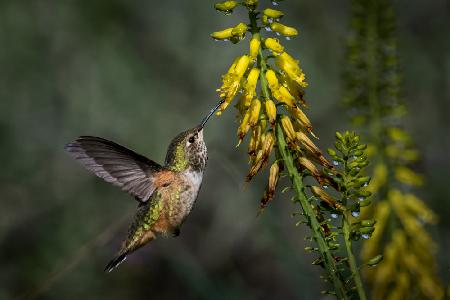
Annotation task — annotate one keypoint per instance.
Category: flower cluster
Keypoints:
(269, 87)
(282, 84)
(372, 85)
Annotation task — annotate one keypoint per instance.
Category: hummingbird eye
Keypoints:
(191, 139)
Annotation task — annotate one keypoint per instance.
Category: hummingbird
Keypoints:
(165, 193)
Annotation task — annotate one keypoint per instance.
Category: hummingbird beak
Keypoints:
(211, 112)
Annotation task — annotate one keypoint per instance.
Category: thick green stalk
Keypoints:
(301, 198)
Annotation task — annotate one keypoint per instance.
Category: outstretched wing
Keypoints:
(116, 164)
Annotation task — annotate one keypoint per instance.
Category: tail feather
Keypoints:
(115, 262)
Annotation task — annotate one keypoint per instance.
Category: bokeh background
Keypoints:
(139, 72)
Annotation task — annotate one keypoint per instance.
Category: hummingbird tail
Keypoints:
(115, 262)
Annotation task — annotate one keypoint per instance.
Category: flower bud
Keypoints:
(226, 6)
(366, 230)
(255, 44)
(241, 65)
(300, 116)
(244, 126)
(368, 223)
(283, 29)
(288, 129)
(223, 34)
(273, 13)
(255, 108)
(274, 45)
(239, 30)
(250, 86)
(375, 260)
(271, 111)
(272, 79)
(251, 4)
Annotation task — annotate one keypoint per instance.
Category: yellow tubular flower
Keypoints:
(244, 127)
(286, 124)
(300, 116)
(255, 44)
(283, 29)
(272, 79)
(273, 13)
(223, 34)
(254, 109)
(226, 6)
(232, 80)
(271, 111)
(274, 45)
(295, 89)
(284, 96)
(290, 66)
(250, 86)
(239, 30)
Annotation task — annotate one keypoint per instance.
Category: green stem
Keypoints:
(346, 230)
(297, 182)
(351, 257)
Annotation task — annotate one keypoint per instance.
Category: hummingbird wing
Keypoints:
(132, 172)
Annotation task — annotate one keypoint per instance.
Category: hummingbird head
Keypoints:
(188, 149)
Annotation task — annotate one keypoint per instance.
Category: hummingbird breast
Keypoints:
(182, 197)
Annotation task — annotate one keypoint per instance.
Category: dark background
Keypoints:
(139, 72)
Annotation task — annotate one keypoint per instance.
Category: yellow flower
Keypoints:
(232, 80)
(274, 45)
(239, 31)
(250, 86)
(254, 110)
(223, 34)
(290, 66)
(273, 13)
(271, 111)
(272, 79)
(284, 96)
(283, 29)
(255, 44)
(300, 116)
(294, 88)
(243, 127)
(226, 6)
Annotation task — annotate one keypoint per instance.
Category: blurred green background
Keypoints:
(139, 72)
